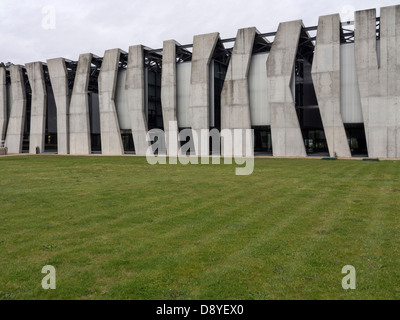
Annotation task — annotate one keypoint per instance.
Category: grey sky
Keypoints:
(96, 25)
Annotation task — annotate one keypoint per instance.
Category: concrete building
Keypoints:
(326, 90)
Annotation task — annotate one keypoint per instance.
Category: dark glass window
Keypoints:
(308, 111)
(51, 122)
(27, 125)
(219, 77)
(356, 139)
(262, 140)
(94, 116)
(154, 109)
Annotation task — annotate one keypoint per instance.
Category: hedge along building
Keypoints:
(332, 89)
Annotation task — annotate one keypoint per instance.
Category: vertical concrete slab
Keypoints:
(15, 129)
(79, 125)
(326, 77)
(3, 104)
(199, 100)
(169, 95)
(287, 139)
(235, 100)
(38, 106)
(379, 79)
(111, 141)
(135, 90)
(59, 83)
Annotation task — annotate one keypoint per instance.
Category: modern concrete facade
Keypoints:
(111, 141)
(59, 83)
(286, 134)
(326, 78)
(326, 90)
(379, 79)
(136, 93)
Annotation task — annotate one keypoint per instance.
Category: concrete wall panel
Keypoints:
(326, 78)
(183, 93)
(259, 105)
(199, 101)
(111, 141)
(135, 86)
(38, 106)
(59, 83)
(79, 126)
(15, 129)
(350, 108)
(121, 101)
(379, 79)
(287, 139)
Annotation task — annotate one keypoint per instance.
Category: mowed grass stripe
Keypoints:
(258, 248)
(119, 228)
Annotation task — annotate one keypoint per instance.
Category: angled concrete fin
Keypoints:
(199, 100)
(326, 78)
(79, 125)
(135, 86)
(168, 94)
(287, 139)
(16, 123)
(235, 100)
(59, 83)
(379, 79)
(38, 106)
(111, 140)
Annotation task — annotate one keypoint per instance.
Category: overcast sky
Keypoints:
(37, 30)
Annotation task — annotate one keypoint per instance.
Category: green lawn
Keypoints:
(118, 228)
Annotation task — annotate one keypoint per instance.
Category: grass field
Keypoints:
(118, 228)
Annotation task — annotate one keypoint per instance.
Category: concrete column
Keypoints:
(15, 129)
(379, 80)
(235, 100)
(38, 106)
(135, 89)
(79, 125)
(199, 100)
(326, 77)
(168, 94)
(111, 141)
(287, 139)
(59, 82)
(3, 104)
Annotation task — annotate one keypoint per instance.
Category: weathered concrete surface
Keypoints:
(235, 100)
(3, 104)
(38, 106)
(379, 81)
(169, 95)
(59, 83)
(79, 125)
(111, 141)
(326, 77)
(135, 90)
(287, 139)
(199, 100)
(15, 129)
